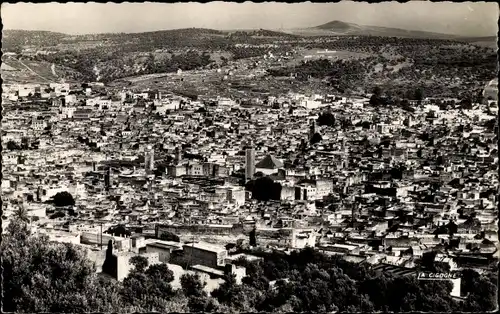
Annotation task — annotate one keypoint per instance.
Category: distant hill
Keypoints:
(261, 33)
(15, 39)
(339, 28)
(487, 41)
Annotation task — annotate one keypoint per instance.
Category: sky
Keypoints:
(466, 18)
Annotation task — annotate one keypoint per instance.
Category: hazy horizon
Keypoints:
(466, 19)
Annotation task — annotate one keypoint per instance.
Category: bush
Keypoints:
(169, 236)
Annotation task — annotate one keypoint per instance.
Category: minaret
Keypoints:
(355, 212)
(249, 162)
(347, 151)
(149, 159)
(178, 155)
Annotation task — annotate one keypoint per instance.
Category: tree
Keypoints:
(149, 290)
(60, 277)
(161, 272)
(419, 94)
(192, 285)
(119, 231)
(253, 238)
(203, 304)
(160, 170)
(169, 236)
(326, 118)
(63, 199)
(11, 145)
(238, 297)
(21, 214)
(265, 189)
(135, 288)
(140, 263)
(316, 138)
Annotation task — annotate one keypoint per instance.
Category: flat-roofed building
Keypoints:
(163, 248)
(205, 254)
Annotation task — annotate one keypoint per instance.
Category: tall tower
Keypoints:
(178, 155)
(345, 148)
(149, 159)
(249, 162)
(354, 212)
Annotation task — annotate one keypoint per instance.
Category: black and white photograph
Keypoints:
(226, 157)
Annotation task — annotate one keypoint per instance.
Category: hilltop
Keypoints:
(14, 39)
(340, 28)
(115, 55)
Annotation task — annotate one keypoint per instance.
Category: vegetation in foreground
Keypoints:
(40, 275)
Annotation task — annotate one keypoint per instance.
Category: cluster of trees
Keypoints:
(261, 33)
(11, 145)
(399, 98)
(25, 144)
(243, 53)
(264, 189)
(119, 231)
(63, 199)
(169, 236)
(326, 118)
(39, 275)
(63, 202)
(186, 61)
(316, 282)
(342, 74)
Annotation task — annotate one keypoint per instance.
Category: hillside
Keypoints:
(261, 33)
(106, 57)
(25, 71)
(14, 39)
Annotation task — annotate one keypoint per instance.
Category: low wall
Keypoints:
(200, 229)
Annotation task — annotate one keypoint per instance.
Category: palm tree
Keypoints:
(21, 214)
